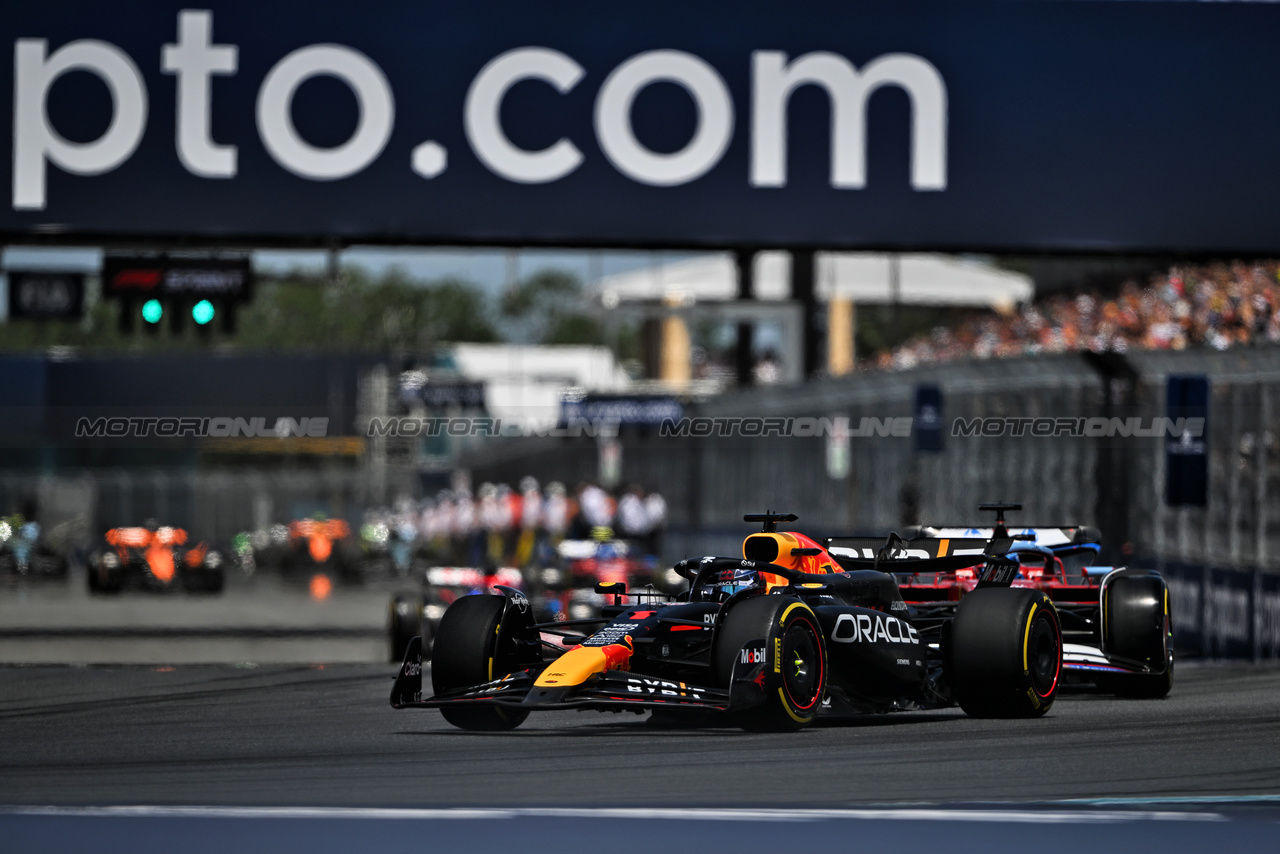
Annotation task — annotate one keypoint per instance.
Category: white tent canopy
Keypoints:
(527, 383)
(864, 277)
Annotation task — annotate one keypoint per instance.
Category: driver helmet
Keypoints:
(727, 582)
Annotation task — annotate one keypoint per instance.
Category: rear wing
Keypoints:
(1051, 536)
(895, 554)
(896, 548)
(927, 554)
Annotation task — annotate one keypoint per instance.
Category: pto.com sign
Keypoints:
(195, 58)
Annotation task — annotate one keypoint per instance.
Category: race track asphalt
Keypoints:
(324, 735)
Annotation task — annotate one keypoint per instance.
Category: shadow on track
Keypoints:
(683, 726)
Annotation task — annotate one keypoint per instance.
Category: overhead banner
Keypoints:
(1098, 126)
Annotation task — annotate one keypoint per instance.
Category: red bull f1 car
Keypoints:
(1115, 620)
(768, 641)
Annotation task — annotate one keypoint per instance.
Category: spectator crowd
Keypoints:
(501, 526)
(1218, 306)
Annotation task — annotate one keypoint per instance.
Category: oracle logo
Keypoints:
(194, 59)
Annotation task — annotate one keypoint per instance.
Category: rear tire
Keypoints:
(468, 651)
(796, 660)
(1004, 659)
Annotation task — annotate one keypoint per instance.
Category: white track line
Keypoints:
(1001, 816)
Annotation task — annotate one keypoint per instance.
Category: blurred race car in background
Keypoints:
(26, 553)
(768, 641)
(391, 545)
(319, 544)
(1116, 621)
(300, 551)
(563, 591)
(260, 550)
(417, 614)
(567, 591)
(154, 558)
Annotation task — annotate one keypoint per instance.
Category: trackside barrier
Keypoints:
(1223, 613)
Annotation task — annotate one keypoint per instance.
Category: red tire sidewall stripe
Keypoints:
(1057, 631)
(822, 665)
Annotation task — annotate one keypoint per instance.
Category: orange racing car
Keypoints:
(155, 558)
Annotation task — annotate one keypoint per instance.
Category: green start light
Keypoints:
(202, 312)
(152, 311)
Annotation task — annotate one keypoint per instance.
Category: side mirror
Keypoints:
(617, 588)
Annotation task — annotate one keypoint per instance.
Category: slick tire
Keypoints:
(1136, 626)
(796, 666)
(404, 623)
(467, 652)
(1004, 659)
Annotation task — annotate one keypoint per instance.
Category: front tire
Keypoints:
(469, 651)
(1136, 626)
(795, 668)
(1005, 653)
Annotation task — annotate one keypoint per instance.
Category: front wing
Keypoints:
(611, 690)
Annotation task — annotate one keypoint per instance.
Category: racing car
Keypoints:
(413, 615)
(390, 545)
(768, 641)
(565, 591)
(313, 547)
(568, 589)
(1115, 620)
(26, 553)
(153, 558)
